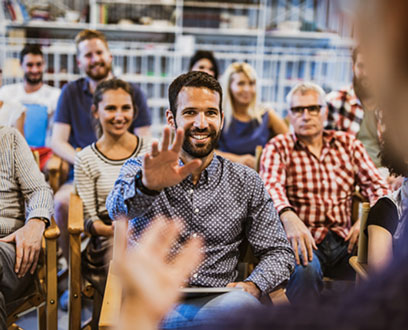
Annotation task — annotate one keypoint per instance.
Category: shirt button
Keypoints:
(196, 211)
(195, 275)
(191, 191)
(194, 235)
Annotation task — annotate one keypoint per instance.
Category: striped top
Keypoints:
(95, 175)
(24, 194)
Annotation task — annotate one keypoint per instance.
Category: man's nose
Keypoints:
(306, 113)
(201, 120)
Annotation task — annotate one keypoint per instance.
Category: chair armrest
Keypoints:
(361, 269)
(75, 215)
(278, 296)
(359, 197)
(57, 170)
(112, 300)
(52, 232)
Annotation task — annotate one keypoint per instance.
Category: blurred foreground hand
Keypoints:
(150, 279)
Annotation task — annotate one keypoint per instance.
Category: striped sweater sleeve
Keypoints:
(37, 193)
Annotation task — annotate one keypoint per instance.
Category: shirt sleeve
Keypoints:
(268, 239)
(63, 114)
(125, 200)
(86, 187)
(273, 174)
(384, 214)
(143, 116)
(37, 193)
(372, 185)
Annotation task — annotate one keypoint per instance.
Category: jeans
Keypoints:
(197, 311)
(330, 259)
(11, 287)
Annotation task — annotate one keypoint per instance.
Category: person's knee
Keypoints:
(311, 273)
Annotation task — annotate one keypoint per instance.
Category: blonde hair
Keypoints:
(255, 110)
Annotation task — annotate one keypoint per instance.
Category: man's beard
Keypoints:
(361, 91)
(102, 74)
(205, 150)
(33, 81)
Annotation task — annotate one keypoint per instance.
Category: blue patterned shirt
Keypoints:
(228, 203)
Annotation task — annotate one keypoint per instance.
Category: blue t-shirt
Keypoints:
(74, 108)
(243, 137)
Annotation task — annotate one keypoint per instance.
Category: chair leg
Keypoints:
(74, 308)
(41, 318)
(51, 307)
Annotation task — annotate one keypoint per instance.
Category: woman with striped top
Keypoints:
(97, 167)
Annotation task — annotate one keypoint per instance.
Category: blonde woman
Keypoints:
(247, 123)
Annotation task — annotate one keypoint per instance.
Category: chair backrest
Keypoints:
(35, 125)
(363, 240)
(258, 154)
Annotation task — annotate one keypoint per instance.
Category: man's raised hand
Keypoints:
(161, 168)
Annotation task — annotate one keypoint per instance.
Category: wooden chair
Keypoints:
(258, 155)
(43, 296)
(76, 285)
(57, 172)
(359, 262)
(247, 263)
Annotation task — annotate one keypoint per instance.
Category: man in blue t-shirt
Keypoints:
(73, 123)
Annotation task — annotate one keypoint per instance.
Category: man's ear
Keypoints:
(222, 121)
(170, 119)
(94, 111)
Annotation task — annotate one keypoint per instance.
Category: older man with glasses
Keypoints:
(311, 175)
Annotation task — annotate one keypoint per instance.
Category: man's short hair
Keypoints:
(354, 53)
(196, 79)
(304, 88)
(30, 49)
(88, 35)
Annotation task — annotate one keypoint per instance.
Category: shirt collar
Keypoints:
(85, 87)
(328, 139)
(354, 100)
(209, 172)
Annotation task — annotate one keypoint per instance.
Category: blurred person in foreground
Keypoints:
(382, 302)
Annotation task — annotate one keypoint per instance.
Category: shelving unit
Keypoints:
(152, 55)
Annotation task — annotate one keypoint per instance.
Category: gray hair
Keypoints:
(305, 87)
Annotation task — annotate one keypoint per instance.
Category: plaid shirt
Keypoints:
(320, 190)
(346, 112)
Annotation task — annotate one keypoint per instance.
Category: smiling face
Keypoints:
(242, 89)
(115, 112)
(199, 114)
(307, 124)
(94, 58)
(204, 65)
(33, 67)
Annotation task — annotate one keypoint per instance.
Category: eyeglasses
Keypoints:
(313, 110)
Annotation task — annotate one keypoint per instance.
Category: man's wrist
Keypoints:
(46, 221)
(286, 209)
(141, 187)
